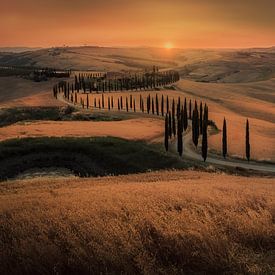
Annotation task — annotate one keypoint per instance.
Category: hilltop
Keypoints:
(206, 65)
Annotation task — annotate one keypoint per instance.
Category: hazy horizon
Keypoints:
(120, 23)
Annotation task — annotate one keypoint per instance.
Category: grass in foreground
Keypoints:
(154, 223)
(84, 156)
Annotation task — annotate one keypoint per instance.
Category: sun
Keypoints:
(168, 45)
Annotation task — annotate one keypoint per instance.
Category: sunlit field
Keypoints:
(153, 223)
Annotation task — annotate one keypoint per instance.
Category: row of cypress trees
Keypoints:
(200, 124)
(154, 104)
(131, 82)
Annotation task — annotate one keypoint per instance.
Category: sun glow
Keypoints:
(168, 46)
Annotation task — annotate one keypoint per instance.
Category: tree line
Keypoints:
(200, 123)
(84, 83)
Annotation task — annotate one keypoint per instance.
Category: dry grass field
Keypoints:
(18, 92)
(148, 129)
(165, 222)
(154, 223)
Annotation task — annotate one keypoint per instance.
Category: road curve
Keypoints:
(191, 152)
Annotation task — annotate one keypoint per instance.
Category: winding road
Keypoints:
(191, 152)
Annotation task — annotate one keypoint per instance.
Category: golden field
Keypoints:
(154, 223)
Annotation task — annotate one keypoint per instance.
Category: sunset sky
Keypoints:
(171, 23)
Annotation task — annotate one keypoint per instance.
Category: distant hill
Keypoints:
(18, 49)
(206, 65)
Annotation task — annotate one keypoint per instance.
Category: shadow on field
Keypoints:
(83, 156)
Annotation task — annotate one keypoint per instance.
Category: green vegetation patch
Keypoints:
(83, 156)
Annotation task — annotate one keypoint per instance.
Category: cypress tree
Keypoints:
(134, 105)
(118, 105)
(127, 107)
(95, 102)
(247, 141)
(224, 139)
(185, 118)
(166, 133)
(178, 108)
(112, 102)
(174, 125)
(87, 101)
(162, 105)
(201, 115)
(157, 104)
(204, 146)
(190, 109)
(167, 105)
(121, 103)
(195, 127)
(153, 106)
(173, 108)
(109, 104)
(102, 101)
(170, 125)
(131, 102)
(180, 143)
(140, 102)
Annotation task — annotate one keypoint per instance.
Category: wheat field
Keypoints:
(167, 222)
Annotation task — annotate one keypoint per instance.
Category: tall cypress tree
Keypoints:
(247, 141)
(127, 107)
(174, 130)
(166, 133)
(87, 101)
(170, 124)
(173, 108)
(195, 126)
(224, 139)
(167, 105)
(190, 109)
(157, 104)
(180, 131)
(153, 106)
(204, 146)
(109, 104)
(118, 104)
(102, 101)
(201, 117)
(185, 118)
(162, 105)
(121, 103)
(134, 105)
(131, 102)
(178, 108)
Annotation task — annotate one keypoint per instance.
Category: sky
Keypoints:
(157, 23)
